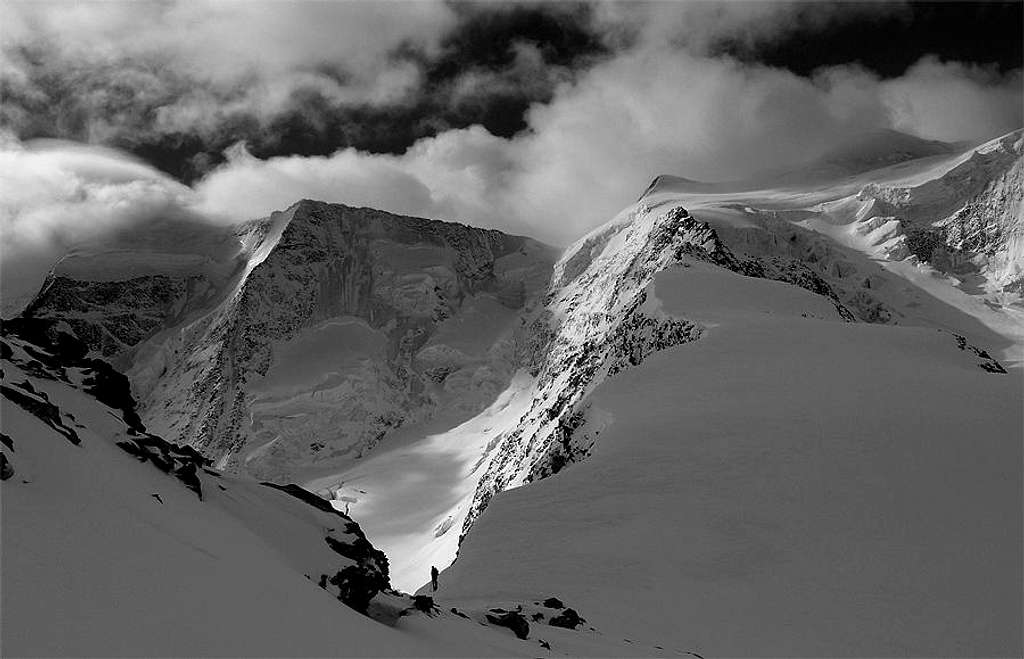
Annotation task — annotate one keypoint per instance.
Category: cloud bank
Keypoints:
(597, 144)
(55, 194)
(655, 95)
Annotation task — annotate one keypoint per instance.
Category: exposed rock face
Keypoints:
(337, 326)
(943, 195)
(970, 219)
(990, 227)
(133, 310)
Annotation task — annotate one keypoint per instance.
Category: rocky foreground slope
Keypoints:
(120, 543)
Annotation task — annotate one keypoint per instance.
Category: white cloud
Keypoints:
(250, 56)
(954, 101)
(603, 138)
(56, 194)
(662, 106)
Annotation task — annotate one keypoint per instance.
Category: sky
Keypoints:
(535, 118)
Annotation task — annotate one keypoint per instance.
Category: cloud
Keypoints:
(662, 100)
(178, 78)
(460, 174)
(225, 43)
(954, 101)
(55, 194)
(178, 81)
(597, 144)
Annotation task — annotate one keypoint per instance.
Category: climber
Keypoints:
(433, 577)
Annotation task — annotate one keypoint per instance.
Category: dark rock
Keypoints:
(989, 364)
(567, 619)
(357, 584)
(41, 408)
(423, 603)
(357, 550)
(6, 468)
(187, 475)
(305, 495)
(511, 619)
(554, 603)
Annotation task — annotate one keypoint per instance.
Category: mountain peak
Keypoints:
(880, 148)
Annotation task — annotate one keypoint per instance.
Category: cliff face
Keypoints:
(337, 326)
(989, 228)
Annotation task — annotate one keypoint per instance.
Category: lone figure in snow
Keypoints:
(433, 577)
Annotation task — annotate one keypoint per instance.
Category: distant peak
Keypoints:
(881, 147)
(680, 185)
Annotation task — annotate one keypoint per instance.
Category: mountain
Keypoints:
(873, 150)
(829, 239)
(305, 338)
(764, 418)
(750, 463)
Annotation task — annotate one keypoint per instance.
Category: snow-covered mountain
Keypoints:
(826, 238)
(727, 421)
(303, 339)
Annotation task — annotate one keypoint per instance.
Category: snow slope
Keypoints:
(788, 485)
(105, 556)
(414, 495)
(116, 543)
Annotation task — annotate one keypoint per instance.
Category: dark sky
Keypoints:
(980, 32)
(483, 41)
